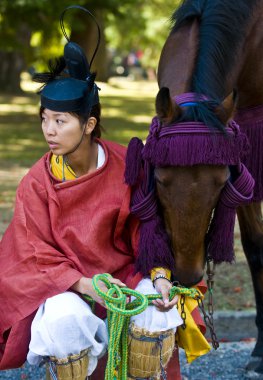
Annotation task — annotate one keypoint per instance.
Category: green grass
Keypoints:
(127, 109)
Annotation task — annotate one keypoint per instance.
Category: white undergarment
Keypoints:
(65, 325)
(101, 156)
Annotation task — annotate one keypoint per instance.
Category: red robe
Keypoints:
(60, 232)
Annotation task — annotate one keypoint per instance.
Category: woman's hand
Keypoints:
(163, 287)
(84, 286)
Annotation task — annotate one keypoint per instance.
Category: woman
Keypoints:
(71, 221)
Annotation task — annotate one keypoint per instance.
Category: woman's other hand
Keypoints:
(84, 286)
(163, 287)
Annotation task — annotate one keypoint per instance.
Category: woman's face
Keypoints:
(62, 131)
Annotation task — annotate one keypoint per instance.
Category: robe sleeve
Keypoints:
(31, 266)
(134, 236)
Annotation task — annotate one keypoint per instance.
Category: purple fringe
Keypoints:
(133, 161)
(221, 232)
(251, 123)
(154, 247)
(188, 150)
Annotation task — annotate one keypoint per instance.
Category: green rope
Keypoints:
(119, 312)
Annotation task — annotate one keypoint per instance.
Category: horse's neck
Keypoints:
(180, 51)
(250, 78)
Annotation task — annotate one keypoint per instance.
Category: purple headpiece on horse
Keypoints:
(185, 144)
(193, 143)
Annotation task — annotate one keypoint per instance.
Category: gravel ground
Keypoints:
(228, 363)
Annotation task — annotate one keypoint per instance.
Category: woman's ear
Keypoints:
(90, 125)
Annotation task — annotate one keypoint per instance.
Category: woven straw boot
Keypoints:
(149, 352)
(73, 367)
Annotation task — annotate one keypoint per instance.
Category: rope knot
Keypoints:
(155, 127)
(234, 126)
(146, 208)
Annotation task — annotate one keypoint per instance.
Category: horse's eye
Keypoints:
(159, 183)
(161, 180)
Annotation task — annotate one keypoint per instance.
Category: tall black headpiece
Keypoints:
(76, 92)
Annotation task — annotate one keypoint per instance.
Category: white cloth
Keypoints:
(64, 325)
(152, 319)
(101, 156)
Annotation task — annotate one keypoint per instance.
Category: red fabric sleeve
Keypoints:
(31, 267)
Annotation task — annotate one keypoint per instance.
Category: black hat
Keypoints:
(69, 85)
(69, 95)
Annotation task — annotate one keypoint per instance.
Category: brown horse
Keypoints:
(215, 49)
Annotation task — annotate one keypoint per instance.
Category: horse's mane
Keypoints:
(222, 28)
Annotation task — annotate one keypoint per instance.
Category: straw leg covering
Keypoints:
(63, 328)
(73, 367)
(149, 353)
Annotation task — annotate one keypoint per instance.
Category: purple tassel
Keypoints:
(133, 161)
(154, 247)
(251, 123)
(221, 234)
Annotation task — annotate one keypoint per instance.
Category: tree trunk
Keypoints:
(12, 63)
(11, 66)
(86, 36)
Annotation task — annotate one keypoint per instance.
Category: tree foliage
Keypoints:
(30, 31)
(144, 26)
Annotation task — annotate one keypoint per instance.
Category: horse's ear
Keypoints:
(226, 109)
(167, 110)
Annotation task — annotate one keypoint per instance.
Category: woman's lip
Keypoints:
(52, 144)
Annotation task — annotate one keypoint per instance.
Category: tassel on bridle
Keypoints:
(154, 245)
(220, 236)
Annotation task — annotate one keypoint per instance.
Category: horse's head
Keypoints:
(188, 195)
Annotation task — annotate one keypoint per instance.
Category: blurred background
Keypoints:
(133, 33)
